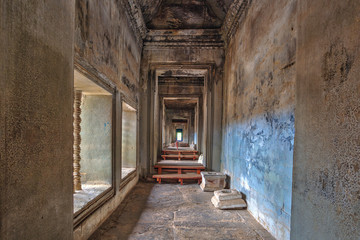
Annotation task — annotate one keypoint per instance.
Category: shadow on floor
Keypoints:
(174, 211)
(127, 214)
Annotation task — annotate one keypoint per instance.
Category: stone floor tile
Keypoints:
(173, 211)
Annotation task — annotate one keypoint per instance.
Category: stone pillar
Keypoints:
(77, 139)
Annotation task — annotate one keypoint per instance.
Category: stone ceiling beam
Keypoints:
(137, 20)
(202, 38)
(234, 18)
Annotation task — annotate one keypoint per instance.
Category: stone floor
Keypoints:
(126, 171)
(88, 193)
(174, 211)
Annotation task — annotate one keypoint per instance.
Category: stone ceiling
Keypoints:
(184, 14)
(179, 23)
(180, 103)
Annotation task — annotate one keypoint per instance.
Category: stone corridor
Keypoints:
(99, 98)
(171, 211)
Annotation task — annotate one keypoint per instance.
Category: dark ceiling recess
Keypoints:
(179, 120)
(184, 14)
(181, 81)
(175, 103)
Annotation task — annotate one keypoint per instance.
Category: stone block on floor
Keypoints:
(228, 204)
(228, 199)
(227, 194)
(212, 181)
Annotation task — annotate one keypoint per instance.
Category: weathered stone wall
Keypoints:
(96, 138)
(259, 103)
(128, 146)
(326, 186)
(105, 41)
(36, 103)
(87, 227)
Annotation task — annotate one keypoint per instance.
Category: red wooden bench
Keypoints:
(179, 157)
(179, 177)
(180, 152)
(179, 168)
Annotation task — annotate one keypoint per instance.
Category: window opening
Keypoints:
(179, 135)
(128, 146)
(93, 141)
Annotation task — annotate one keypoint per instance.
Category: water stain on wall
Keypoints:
(336, 64)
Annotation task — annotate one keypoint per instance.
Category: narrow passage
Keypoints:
(174, 211)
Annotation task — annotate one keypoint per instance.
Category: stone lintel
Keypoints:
(136, 18)
(234, 17)
(198, 38)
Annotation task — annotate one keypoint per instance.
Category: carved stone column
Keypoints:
(77, 139)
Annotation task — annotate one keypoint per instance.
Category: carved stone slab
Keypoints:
(212, 181)
(227, 194)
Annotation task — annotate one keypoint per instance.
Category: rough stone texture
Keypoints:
(188, 14)
(87, 227)
(88, 193)
(212, 181)
(96, 138)
(258, 122)
(106, 44)
(168, 211)
(36, 107)
(105, 40)
(326, 186)
(227, 194)
(234, 18)
(128, 144)
(236, 203)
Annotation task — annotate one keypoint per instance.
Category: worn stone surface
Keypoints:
(234, 18)
(168, 211)
(259, 103)
(189, 14)
(212, 181)
(105, 40)
(236, 203)
(36, 108)
(128, 143)
(96, 138)
(227, 194)
(107, 46)
(326, 179)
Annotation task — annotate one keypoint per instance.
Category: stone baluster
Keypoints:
(77, 139)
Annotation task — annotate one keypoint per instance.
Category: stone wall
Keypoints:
(326, 186)
(259, 104)
(104, 39)
(106, 44)
(128, 146)
(36, 108)
(96, 138)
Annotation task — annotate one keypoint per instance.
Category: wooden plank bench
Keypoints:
(179, 168)
(179, 177)
(179, 157)
(184, 152)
